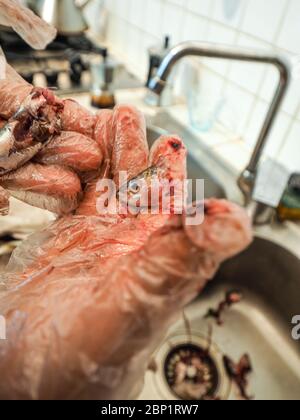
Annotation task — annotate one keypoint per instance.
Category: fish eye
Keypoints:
(134, 187)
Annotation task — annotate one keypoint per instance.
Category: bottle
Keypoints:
(289, 207)
(102, 96)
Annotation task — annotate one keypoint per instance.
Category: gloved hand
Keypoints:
(36, 32)
(47, 147)
(88, 299)
(13, 91)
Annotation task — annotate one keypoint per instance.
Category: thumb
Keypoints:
(226, 229)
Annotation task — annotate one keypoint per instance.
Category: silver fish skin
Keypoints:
(18, 159)
(31, 105)
(7, 140)
(131, 188)
(135, 195)
(4, 202)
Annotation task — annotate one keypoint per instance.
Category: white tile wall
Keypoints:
(202, 7)
(262, 18)
(248, 75)
(290, 148)
(134, 25)
(290, 31)
(229, 12)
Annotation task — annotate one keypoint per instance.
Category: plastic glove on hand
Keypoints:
(35, 31)
(48, 132)
(88, 299)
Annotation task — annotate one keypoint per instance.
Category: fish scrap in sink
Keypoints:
(231, 298)
(197, 369)
(239, 372)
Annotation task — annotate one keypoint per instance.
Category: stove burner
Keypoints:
(52, 78)
(18, 46)
(28, 77)
(191, 373)
(66, 55)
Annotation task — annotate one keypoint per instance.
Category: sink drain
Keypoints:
(186, 370)
(191, 373)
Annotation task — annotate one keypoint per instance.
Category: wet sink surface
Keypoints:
(260, 325)
(268, 277)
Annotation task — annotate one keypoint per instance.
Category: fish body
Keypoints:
(137, 193)
(4, 202)
(7, 140)
(37, 120)
(160, 187)
(26, 133)
(18, 158)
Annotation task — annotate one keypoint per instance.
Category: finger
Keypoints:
(130, 148)
(225, 231)
(103, 134)
(52, 188)
(168, 161)
(13, 91)
(88, 206)
(73, 150)
(76, 118)
(104, 137)
(34, 30)
(122, 136)
(169, 154)
(4, 202)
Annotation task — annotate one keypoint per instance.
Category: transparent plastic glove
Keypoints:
(47, 147)
(2, 65)
(88, 299)
(35, 31)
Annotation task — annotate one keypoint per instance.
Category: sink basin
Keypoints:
(268, 277)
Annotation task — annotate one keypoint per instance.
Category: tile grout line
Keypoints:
(238, 32)
(288, 131)
(256, 38)
(292, 119)
(242, 17)
(225, 80)
(284, 50)
(257, 94)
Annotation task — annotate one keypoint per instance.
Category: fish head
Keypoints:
(36, 104)
(136, 193)
(160, 188)
(7, 140)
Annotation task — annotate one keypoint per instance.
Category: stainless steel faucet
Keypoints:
(246, 181)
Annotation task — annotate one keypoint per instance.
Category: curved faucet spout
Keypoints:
(247, 179)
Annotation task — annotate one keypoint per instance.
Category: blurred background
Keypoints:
(108, 52)
(244, 89)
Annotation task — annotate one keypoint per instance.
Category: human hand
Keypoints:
(47, 149)
(88, 299)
